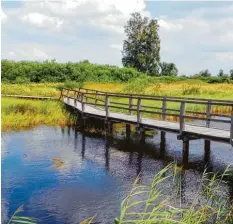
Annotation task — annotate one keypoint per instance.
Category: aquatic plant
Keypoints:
(15, 218)
(156, 204)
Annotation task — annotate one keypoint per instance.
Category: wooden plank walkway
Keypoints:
(79, 100)
(30, 97)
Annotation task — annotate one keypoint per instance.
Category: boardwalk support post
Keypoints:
(231, 131)
(207, 150)
(185, 150)
(128, 131)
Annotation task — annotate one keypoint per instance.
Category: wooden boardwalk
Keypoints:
(91, 103)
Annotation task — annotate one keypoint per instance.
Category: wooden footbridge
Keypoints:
(189, 118)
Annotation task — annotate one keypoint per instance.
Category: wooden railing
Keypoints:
(105, 101)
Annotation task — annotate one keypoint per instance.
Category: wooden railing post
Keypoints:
(182, 113)
(68, 96)
(208, 113)
(107, 105)
(231, 131)
(75, 99)
(164, 109)
(96, 97)
(87, 96)
(61, 94)
(130, 104)
(83, 103)
(139, 112)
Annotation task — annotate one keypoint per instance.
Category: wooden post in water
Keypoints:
(142, 135)
(162, 144)
(185, 155)
(207, 151)
(128, 131)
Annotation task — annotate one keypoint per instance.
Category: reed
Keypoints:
(157, 203)
(19, 114)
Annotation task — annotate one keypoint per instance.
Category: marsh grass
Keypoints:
(159, 202)
(19, 114)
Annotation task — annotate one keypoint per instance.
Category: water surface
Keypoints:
(97, 172)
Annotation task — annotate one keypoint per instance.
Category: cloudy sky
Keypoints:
(194, 35)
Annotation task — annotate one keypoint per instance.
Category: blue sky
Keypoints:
(194, 35)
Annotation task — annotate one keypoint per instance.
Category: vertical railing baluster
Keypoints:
(182, 120)
(208, 113)
(231, 131)
(130, 104)
(83, 103)
(164, 109)
(96, 97)
(61, 95)
(139, 112)
(107, 105)
(68, 96)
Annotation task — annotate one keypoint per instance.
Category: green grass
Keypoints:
(159, 202)
(20, 114)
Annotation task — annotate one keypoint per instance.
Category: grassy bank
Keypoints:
(193, 88)
(18, 114)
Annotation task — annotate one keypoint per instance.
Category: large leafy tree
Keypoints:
(168, 69)
(142, 47)
(231, 74)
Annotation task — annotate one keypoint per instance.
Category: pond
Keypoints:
(95, 174)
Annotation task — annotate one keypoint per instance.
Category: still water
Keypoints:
(97, 172)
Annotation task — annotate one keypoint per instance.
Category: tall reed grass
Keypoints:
(18, 114)
(159, 202)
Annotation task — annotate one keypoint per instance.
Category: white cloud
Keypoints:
(41, 20)
(225, 56)
(3, 17)
(116, 46)
(94, 30)
(169, 25)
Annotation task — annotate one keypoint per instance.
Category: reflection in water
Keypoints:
(83, 146)
(97, 171)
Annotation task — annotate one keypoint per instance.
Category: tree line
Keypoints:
(140, 57)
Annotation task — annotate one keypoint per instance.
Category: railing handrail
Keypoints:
(158, 98)
(140, 108)
(171, 97)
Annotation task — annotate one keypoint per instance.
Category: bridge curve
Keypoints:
(139, 110)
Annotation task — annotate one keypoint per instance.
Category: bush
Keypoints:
(51, 71)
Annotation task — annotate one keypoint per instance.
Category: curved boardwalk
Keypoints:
(117, 107)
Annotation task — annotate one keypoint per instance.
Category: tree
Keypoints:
(168, 69)
(221, 73)
(205, 73)
(142, 47)
(231, 74)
